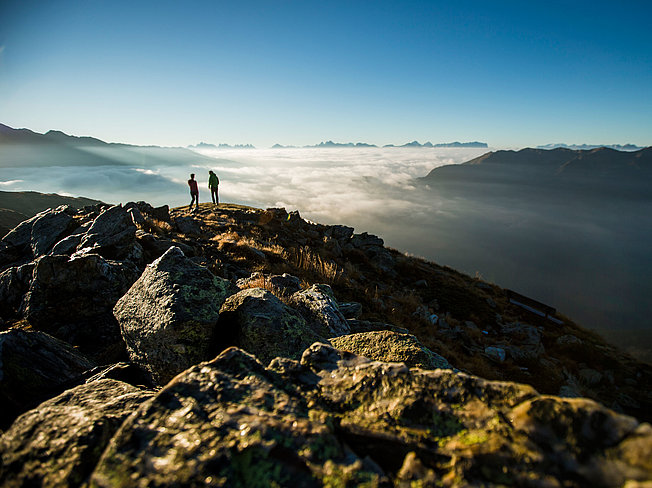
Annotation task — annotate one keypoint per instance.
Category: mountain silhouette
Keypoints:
(26, 148)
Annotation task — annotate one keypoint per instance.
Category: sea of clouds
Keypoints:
(588, 261)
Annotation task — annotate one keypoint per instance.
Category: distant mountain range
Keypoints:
(328, 144)
(26, 148)
(445, 144)
(593, 171)
(204, 145)
(617, 147)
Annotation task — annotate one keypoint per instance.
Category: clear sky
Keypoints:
(510, 73)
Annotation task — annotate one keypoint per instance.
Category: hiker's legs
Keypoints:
(214, 195)
(195, 200)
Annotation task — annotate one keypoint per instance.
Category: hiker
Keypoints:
(194, 191)
(213, 183)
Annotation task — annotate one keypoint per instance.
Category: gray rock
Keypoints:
(155, 246)
(319, 307)
(364, 240)
(525, 339)
(286, 283)
(187, 225)
(33, 367)
(167, 318)
(258, 322)
(49, 227)
(111, 235)
(14, 283)
(73, 298)
(495, 353)
(136, 216)
(340, 232)
(67, 245)
(391, 346)
(351, 310)
(60, 442)
(15, 246)
(229, 422)
(161, 214)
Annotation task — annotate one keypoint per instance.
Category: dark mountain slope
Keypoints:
(25, 148)
(18, 206)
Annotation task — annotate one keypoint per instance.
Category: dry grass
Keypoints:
(306, 259)
(158, 227)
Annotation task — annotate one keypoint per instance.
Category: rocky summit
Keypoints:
(240, 347)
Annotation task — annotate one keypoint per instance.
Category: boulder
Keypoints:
(187, 225)
(341, 233)
(15, 246)
(364, 241)
(525, 339)
(351, 310)
(258, 322)
(49, 227)
(319, 307)
(73, 298)
(33, 367)
(230, 422)
(391, 346)
(67, 245)
(167, 318)
(111, 235)
(60, 442)
(495, 353)
(337, 419)
(14, 283)
(161, 214)
(155, 246)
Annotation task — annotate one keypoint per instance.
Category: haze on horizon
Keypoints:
(512, 74)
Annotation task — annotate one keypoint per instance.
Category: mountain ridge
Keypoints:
(277, 349)
(26, 148)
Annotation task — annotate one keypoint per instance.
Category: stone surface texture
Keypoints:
(168, 317)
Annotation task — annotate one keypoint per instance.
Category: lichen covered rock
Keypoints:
(337, 419)
(229, 422)
(258, 322)
(167, 318)
(391, 346)
(60, 442)
(319, 307)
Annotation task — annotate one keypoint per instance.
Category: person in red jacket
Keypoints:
(194, 192)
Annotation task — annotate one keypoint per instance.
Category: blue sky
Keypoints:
(512, 74)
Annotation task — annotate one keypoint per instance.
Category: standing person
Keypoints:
(213, 183)
(194, 192)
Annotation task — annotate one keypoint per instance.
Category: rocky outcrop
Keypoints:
(60, 442)
(336, 419)
(34, 366)
(14, 283)
(168, 317)
(73, 298)
(391, 346)
(258, 322)
(318, 306)
(112, 234)
(36, 236)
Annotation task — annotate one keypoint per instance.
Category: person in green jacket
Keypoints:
(213, 183)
